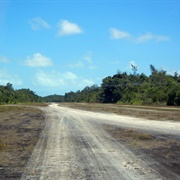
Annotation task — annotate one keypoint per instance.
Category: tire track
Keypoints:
(73, 146)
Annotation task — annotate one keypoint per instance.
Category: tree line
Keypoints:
(10, 96)
(159, 88)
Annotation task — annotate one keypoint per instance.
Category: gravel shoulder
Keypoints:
(76, 144)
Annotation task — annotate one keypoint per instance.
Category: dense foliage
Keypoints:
(10, 96)
(54, 98)
(158, 89)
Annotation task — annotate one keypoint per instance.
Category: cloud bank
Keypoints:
(61, 79)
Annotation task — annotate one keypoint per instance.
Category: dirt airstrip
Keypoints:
(57, 142)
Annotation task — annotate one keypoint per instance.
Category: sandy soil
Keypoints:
(77, 144)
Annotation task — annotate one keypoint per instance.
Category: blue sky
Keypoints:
(53, 47)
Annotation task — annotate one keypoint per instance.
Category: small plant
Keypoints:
(2, 145)
(143, 136)
(137, 135)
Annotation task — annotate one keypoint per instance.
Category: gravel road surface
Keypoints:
(73, 145)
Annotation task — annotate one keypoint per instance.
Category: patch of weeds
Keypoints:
(2, 146)
(20, 127)
(36, 104)
(144, 137)
(163, 149)
(5, 108)
(128, 134)
(139, 139)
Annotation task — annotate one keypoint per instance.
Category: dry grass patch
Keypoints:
(34, 104)
(163, 149)
(146, 112)
(131, 137)
(137, 135)
(20, 128)
(140, 139)
(2, 146)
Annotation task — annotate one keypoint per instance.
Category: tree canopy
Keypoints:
(159, 88)
(10, 96)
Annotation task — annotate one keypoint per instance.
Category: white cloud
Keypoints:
(3, 59)
(69, 76)
(118, 34)
(68, 28)
(52, 79)
(150, 37)
(37, 60)
(88, 59)
(6, 77)
(57, 79)
(145, 37)
(38, 23)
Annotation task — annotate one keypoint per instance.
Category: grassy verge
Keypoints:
(20, 127)
(35, 104)
(163, 149)
(147, 112)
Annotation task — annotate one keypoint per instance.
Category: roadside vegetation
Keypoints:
(10, 96)
(20, 127)
(159, 89)
(163, 149)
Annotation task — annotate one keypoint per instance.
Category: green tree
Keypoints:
(134, 69)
